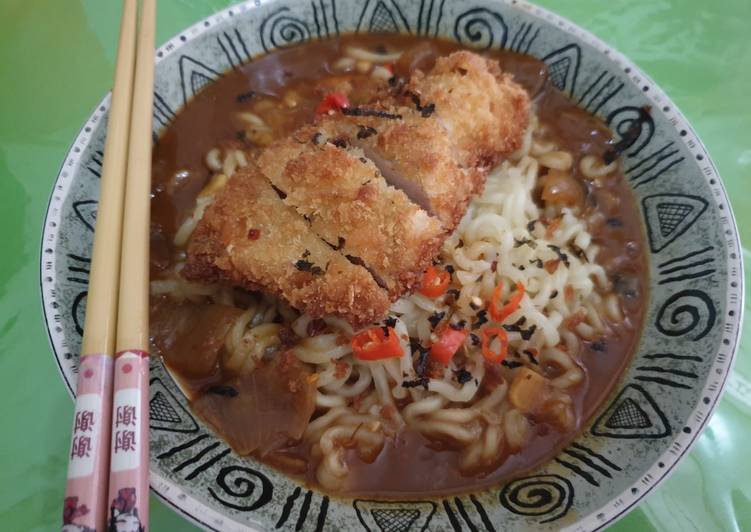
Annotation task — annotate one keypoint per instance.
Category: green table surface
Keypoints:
(57, 60)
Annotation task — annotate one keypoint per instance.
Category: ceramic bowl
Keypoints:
(639, 434)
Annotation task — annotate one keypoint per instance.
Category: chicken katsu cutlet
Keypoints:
(363, 198)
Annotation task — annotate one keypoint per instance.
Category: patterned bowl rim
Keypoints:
(619, 505)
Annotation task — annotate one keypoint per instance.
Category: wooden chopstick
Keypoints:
(129, 458)
(86, 490)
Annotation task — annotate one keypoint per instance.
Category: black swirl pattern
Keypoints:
(481, 28)
(243, 487)
(550, 496)
(634, 126)
(281, 29)
(685, 312)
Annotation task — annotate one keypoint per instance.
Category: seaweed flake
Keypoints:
(578, 252)
(482, 318)
(307, 266)
(526, 334)
(436, 318)
(463, 376)
(224, 390)
(415, 383)
(511, 364)
(427, 110)
(422, 356)
(390, 322)
(424, 110)
(518, 242)
(614, 222)
(340, 142)
(366, 131)
(364, 111)
(531, 356)
(245, 96)
(561, 254)
(600, 346)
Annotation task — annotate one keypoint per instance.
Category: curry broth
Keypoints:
(412, 464)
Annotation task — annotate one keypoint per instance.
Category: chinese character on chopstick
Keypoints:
(125, 440)
(126, 416)
(84, 421)
(81, 447)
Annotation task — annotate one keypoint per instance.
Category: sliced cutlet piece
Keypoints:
(249, 237)
(414, 153)
(483, 110)
(351, 207)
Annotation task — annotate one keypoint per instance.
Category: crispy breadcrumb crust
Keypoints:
(414, 152)
(351, 206)
(249, 237)
(484, 111)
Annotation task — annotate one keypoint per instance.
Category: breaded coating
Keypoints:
(249, 237)
(483, 110)
(414, 153)
(351, 206)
